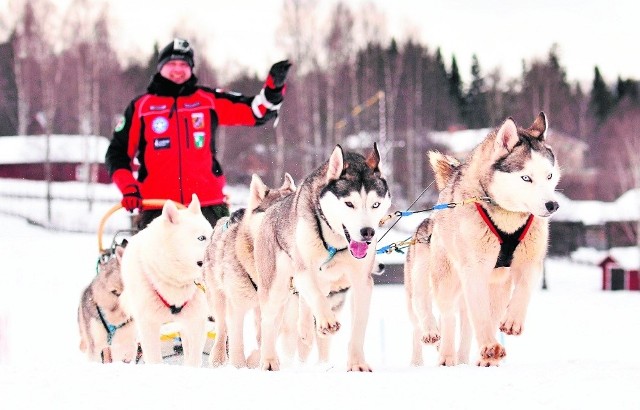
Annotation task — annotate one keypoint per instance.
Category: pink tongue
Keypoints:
(358, 249)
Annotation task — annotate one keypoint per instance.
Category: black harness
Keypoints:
(508, 241)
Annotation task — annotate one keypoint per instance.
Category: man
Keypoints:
(171, 132)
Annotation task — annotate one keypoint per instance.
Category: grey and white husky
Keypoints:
(322, 235)
(230, 272)
(107, 332)
(483, 258)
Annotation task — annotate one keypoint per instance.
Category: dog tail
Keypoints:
(444, 166)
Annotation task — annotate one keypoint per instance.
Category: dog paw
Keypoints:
(511, 327)
(271, 365)
(488, 363)
(492, 352)
(431, 337)
(359, 367)
(253, 361)
(238, 362)
(328, 327)
(446, 360)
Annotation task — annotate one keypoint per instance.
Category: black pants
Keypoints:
(212, 213)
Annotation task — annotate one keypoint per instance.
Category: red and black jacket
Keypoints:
(171, 131)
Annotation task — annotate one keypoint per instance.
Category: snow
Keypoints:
(580, 349)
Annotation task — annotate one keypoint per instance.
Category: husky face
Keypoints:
(356, 200)
(108, 284)
(189, 230)
(526, 173)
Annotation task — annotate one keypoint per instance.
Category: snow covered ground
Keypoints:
(580, 349)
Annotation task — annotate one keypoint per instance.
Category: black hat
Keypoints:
(178, 49)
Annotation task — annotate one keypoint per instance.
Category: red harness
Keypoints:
(508, 241)
(174, 309)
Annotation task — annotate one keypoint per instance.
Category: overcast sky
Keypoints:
(502, 34)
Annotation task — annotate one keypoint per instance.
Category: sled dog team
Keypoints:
(295, 254)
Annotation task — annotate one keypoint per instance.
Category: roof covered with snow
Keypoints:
(625, 208)
(63, 148)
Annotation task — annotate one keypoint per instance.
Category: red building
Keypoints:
(615, 276)
(70, 157)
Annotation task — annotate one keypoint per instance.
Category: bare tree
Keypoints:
(299, 37)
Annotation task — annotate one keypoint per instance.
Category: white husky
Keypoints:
(161, 274)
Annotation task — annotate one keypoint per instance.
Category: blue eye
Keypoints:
(202, 238)
(376, 205)
(526, 178)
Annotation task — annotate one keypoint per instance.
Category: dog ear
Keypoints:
(170, 211)
(373, 160)
(288, 183)
(336, 164)
(506, 137)
(443, 167)
(194, 206)
(257, 191)
(539, 127)
(119, 253)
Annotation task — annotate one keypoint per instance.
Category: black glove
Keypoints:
(131, 198)
(278, 73)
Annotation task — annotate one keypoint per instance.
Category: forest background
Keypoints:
(67, 79)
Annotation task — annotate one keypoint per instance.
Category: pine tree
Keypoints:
(627, 89)
(601, 101)
(476, 110)
(455, 84)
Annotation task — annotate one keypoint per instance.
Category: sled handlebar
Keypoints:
(146, 203)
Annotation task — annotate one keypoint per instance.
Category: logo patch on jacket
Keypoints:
(157, 107)
(197, 120)
(192, 105)
(120, 125)
(159, 125)
(198, 139)
(162, 143)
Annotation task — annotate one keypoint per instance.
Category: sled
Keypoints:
(171, 345)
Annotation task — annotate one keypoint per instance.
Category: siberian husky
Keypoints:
(162, 274)
(231, 276)
(322, 235)
(484, 258)
(107, 332)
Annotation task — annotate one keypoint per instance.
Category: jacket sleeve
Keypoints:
(237, 109)
(122, 148)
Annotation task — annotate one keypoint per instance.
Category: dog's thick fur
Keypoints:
(337, 207)
(231, 276)
(107, 332)
(456, 254)
(161, 273)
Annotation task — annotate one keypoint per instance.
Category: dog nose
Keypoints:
(367, 234)
(552, 206)
(200, 263)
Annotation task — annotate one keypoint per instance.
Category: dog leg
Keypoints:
(362, 287)
(422, 302)
(194, 337)
(272, 300)
(512, 322)
(446, 350)
(150, 341)
(194, 330)
(217, 306)
(236, 335)
(477, 294)
(305, 329)
(466, 333)
(309, 290)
